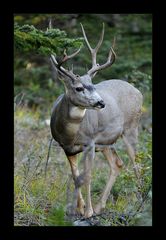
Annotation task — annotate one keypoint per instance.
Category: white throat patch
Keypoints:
(76, 112)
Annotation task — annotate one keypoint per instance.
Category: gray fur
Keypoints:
(120, 115)
(89, 118)
(78, 126)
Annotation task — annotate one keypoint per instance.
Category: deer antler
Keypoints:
(65, 59)
(60, 68)
(111, 56)
(95, 50)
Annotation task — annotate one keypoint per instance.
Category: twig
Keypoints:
(48, 155)
(16, 97)
(31, 177)
(141, 204)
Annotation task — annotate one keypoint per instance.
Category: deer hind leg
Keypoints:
(115, 166)
(130, 139)
(78, 199)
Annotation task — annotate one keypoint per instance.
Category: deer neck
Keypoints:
(68, 122)
(75, 114)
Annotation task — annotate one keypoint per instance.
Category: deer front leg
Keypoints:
(88, 158)
(78, 201)
(115, 166)
(88, 208)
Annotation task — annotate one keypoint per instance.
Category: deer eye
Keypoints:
(79, 89)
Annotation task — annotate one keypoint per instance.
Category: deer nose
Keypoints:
(100, 104)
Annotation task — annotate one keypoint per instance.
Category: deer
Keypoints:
(89, 118)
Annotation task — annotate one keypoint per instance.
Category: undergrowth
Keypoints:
(41, 200)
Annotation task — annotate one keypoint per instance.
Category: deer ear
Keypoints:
(58, 74)
(65, 85)
(61, 76)
(65, 79)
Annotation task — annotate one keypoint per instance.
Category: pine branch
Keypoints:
(52, 41)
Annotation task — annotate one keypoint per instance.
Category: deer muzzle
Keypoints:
(100, 104)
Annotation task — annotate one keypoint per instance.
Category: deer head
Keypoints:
(80, 89)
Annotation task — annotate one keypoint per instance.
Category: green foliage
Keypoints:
(140, 80)
(56, 217)
(52, 41)
(36, 93)
(41, 201)
(32, 38)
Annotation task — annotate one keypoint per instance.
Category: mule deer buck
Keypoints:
(89, 118)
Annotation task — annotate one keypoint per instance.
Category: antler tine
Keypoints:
(93, 51)
(112, 53)
(57, 65)
(110, 60)
(66, 57)
(53, 59)
(111, 57)
(50, 24)
(100, 40)
(61, 69)
(85, 38)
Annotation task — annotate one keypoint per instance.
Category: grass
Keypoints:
(41, 201)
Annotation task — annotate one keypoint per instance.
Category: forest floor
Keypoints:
(41, 200)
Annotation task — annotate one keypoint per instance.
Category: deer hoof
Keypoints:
(97, 209)
(88, 213)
